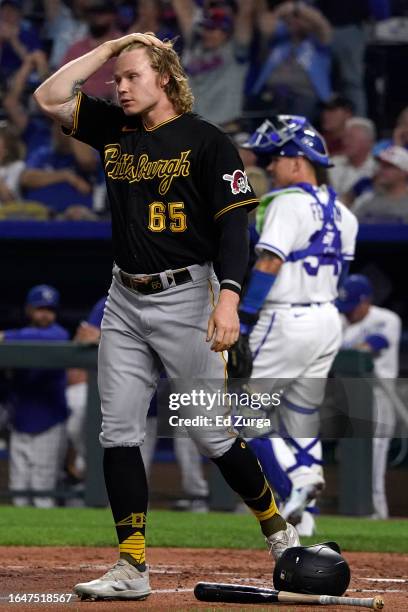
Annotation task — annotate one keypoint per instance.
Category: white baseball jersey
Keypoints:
(311, 241)
(379, 321)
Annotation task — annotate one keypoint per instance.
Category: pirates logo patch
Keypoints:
(238, 181)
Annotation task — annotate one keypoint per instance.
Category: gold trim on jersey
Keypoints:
(121, 166)
(235, 205)
(76, 113)
(151, 129)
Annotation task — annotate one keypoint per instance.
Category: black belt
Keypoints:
(312, 304)
(152, 283)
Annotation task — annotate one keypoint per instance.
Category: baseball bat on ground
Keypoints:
(243, 594)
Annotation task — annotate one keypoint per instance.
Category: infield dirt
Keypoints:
(175, 571)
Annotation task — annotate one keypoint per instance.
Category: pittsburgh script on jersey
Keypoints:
(124, 167)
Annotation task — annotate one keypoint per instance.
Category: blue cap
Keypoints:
(355, 290)
(43, 296)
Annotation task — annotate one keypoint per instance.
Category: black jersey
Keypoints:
(167, 185)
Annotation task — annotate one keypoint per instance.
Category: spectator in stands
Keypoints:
(216, 55)
(349, 40)
(293, 73)
(39, 407)
(61, 174)
(11, 165)
(101, 19)
(389, 203)
(65, 25)
(353, 171)
(150, 18)
(399, 134)
(20, 107)
(17, 37)
(335, 113)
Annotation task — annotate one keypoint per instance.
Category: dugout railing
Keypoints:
(355, 452)
(68, 355)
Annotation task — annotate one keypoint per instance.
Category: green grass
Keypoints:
(91, 527)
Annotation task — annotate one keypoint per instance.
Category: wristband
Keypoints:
(259, 286)
(377, 342)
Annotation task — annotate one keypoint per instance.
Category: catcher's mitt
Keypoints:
(240, 359)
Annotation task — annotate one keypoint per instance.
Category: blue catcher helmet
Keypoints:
(289, 136)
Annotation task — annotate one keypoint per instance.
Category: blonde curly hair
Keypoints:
(166, 62)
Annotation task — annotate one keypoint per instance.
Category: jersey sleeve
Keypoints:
(96, 315)
(390, 330)
(280, 228)
(225, 181)
(36, 333)
(348, 238)
(92, 119)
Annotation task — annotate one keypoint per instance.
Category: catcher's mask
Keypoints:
(319, 569)
(288, 136)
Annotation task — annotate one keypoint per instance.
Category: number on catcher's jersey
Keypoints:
(313, 233)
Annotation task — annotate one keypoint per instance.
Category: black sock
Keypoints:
(126, 484)
(243, 473)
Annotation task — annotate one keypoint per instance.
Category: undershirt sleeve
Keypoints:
(234, 249)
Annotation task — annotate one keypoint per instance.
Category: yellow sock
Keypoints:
(134, 547)
(266, 511)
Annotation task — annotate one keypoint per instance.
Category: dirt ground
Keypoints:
(175, 571)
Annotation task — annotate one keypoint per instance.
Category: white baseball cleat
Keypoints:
(122, 581)
(294, 507)
(281, 540)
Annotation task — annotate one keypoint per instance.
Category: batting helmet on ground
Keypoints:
(289, 136)
(319, 569)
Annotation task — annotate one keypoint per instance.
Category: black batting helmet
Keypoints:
(319, 569)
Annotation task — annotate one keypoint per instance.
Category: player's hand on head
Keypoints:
(146, 38)
(223, 325)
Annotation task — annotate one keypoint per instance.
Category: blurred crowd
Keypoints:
(246, 59)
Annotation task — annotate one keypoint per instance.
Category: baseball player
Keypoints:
(179, 199)
(288, 316)
(378, 330)
(39, 408)
(88, 331)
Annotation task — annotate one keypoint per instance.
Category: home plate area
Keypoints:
(173, 575)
